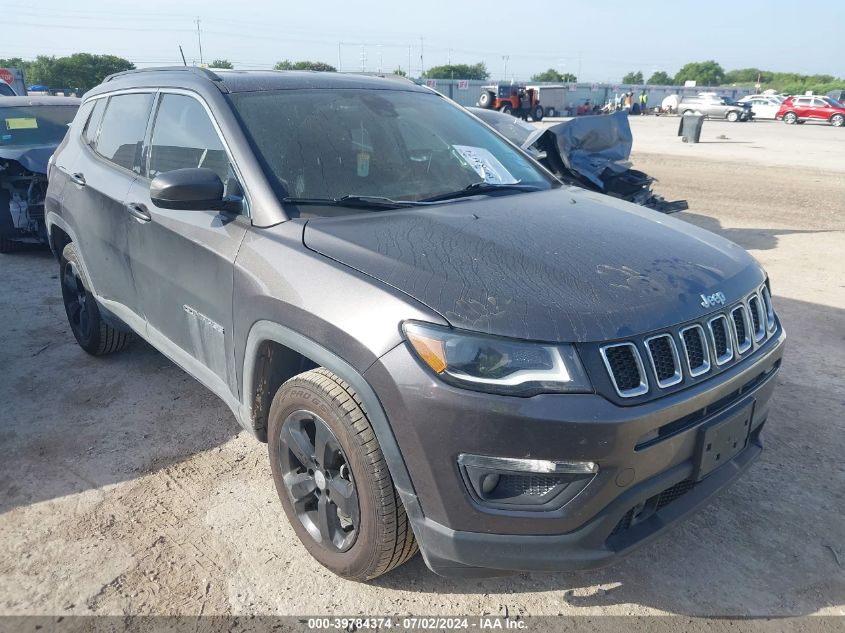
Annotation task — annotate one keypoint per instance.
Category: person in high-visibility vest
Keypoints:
(643, 102)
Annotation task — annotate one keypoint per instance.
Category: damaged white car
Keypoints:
(30, 131)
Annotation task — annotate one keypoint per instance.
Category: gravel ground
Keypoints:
(127, 488)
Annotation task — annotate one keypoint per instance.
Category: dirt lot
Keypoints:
(126, 488)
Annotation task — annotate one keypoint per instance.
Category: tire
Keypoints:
(538, 113)
(486, 100)
(790, 118)
(92, 333)
(506, 109)
(686, 112)
(358, 540)
(9, 246)
(837, 120)
(732, 116)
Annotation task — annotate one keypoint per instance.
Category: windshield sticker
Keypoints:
(486, 165)
(22, 123)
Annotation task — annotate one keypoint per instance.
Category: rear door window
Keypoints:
(122, 130)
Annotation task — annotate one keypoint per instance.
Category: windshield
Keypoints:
(34, 125)
(834, 103)
(389, 144)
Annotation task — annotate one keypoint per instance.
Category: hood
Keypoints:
(33, 158)
(562, 265)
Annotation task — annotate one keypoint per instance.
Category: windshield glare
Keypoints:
(401, 145)
(34, 125)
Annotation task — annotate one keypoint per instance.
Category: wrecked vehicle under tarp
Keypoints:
(592, 152)
(30, 131)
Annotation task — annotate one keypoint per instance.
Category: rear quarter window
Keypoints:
(89, 134)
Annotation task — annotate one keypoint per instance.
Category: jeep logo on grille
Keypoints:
(717, 298)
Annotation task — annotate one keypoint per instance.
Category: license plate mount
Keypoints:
(723, 439)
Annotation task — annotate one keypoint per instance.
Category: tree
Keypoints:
(400, 72)
(80, 71)
(222, 63)
(304, 65)
(633, 78)
(554, 76)
(707, 73)
(458, 71)
(660, 78)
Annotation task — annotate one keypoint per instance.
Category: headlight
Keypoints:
(497, 365)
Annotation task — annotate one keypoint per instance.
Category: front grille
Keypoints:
(626, 369)
(653, 504)
(722, 344)
(689, 351)
(533, 485)
(740, 321)
(664, 360)
(695, 350)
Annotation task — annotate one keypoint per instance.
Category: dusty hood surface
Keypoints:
(33, 158)
(561, 265)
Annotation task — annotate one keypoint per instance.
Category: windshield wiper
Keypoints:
(358, 202)
(477, 188)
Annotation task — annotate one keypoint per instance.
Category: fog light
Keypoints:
(524, 484)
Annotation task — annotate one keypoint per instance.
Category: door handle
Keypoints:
(139, 212)
(77, 179)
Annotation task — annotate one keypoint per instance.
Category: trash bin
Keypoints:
(690, 127)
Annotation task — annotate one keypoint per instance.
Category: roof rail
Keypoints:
(196, 70)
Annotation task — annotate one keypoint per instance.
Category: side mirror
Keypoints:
(191, 189)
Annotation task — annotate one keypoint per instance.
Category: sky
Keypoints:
(597, 41)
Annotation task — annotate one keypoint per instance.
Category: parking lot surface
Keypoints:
(127, 488)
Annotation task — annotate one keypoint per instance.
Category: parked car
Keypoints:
(809, 108)
(713, 107)
(763, 106)
(443, 346)
(590, 151)
(30, 130)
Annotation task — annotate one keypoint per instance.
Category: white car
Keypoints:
(763, 106)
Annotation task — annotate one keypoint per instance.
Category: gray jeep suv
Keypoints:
(444, 347)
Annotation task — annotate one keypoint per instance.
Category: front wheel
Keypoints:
(538, 113)
(790, 118)
(89, 329)
(837, 120)
(506, 109)
(332, 478)
(733, 117)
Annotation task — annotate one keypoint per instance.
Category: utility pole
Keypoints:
(422, 64)
(578, 78)
(199, 39)
(409, 61)
(363, 59)
(339, 63)
(380, 59)
(505, 59)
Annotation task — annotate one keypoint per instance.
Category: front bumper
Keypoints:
(458, 535)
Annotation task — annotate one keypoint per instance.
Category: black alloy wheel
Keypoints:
(318, 479)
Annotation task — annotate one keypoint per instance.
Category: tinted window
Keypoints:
(184, 136)
(386, 143)
(6, 90)
(122, 131)
(35, 125)
(90, 134)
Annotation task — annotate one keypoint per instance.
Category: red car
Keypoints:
(806, 108)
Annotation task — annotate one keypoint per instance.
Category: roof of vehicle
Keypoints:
(16, 102)
(253, 80)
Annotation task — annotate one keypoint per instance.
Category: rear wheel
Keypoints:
(486, 99)
(837, 120)
(506, 108)
(538, 113)
(93, 334)
(732, 116)
(790, 118)
(332, 478)
(9, 246)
